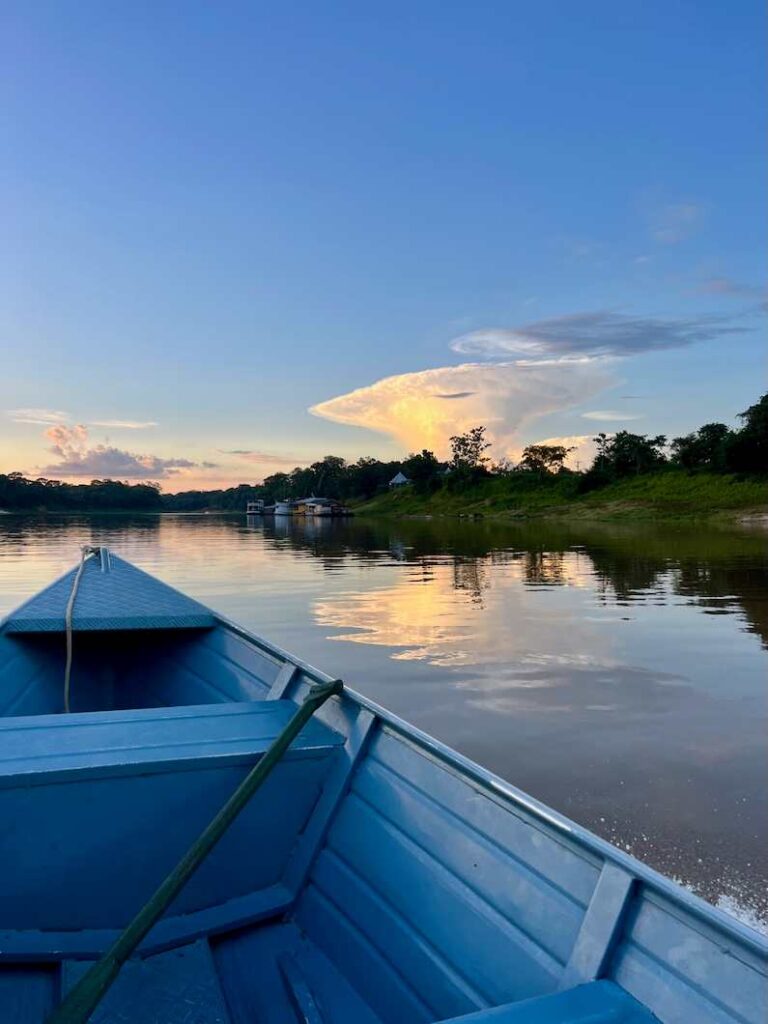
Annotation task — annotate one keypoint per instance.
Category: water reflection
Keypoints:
(617, 672)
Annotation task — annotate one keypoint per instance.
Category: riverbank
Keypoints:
(671, 494)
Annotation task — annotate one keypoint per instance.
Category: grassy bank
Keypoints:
(670, 494)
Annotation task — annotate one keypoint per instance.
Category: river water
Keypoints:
(616, 672)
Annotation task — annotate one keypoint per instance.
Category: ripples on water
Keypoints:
(615, 672)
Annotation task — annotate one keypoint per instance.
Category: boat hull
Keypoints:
(380, 876)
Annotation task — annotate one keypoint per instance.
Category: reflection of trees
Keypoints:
(545, 568)
(715, 569)
(624, 563)
(471, 576)
(720, 587)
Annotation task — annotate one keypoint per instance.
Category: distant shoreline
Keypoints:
(667, 495)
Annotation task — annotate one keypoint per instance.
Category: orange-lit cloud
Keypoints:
(75, 459)
(412, 407)
(264, 458)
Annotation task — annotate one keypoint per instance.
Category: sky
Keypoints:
(240, 236)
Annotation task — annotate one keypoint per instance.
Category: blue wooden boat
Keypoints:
(373, 876)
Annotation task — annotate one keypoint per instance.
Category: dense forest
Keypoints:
(713, 448)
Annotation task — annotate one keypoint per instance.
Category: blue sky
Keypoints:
(220, 216)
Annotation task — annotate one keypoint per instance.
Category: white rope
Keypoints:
(85, 553)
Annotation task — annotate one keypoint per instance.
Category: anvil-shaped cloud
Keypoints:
(411, 407)
(547, 366)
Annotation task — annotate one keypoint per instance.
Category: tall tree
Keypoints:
(705, 448)
(544, 458)
(468, 450)
(626, 454)
(747, 450)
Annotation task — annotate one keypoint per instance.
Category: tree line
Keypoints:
(714, 448)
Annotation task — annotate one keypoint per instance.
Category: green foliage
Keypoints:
(544, 458)
(747, 450)
(669, 493)
(625, 454)
(468, 450)
(19, 492)
(705, 448)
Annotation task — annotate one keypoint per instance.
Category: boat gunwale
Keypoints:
(537, 814)
(670, 895)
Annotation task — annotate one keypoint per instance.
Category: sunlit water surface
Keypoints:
(617, 673)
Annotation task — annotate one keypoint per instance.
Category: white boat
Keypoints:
(283, 508)
(319, 507)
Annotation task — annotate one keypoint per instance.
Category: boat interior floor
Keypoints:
(271, 974)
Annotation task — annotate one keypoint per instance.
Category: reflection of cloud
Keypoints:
(515, 651)
(43, 417)
(421, 620)
(76, 459)
(600, 333)
(502, 396)
(439, 619)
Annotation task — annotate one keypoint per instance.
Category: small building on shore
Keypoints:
(399, 480)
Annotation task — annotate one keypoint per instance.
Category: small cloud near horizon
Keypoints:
(77, 459)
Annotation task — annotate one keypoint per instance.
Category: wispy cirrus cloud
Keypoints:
(728, 288)
(595, 334)
(44, 417)
(124, 424)
(265, 458)
(41, 417)
(75, 458)
(611, 415)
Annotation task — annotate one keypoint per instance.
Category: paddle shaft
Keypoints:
(85, 995)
